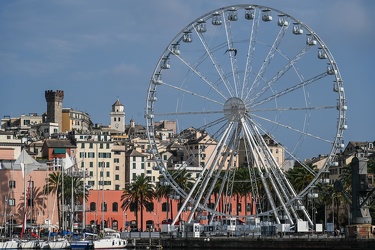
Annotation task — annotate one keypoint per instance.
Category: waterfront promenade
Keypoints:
(267, 243)
(302, 241)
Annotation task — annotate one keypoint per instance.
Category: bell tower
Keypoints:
(118, 116)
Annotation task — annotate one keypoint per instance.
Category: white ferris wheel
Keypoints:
(248, 86)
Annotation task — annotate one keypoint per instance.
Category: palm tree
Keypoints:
(139, 194)
(54, 186)
(241, 185)
(163, 191)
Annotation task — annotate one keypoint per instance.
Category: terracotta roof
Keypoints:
(52, 143)
(133, 152)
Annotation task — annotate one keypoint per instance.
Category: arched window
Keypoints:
(239, 207)
(115, 224)
(92, 206)
(114, 207)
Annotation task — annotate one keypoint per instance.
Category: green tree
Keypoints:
(54, 186)
(138, 194)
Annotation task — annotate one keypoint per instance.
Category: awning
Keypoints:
(59, 151)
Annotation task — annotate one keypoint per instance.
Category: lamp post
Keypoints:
(125, 220)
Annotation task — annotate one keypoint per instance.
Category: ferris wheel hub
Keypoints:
(234, 109)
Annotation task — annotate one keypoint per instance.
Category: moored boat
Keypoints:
(110, 240)
(10, 244)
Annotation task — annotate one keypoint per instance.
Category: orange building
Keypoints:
(45, 206)
(116, 218)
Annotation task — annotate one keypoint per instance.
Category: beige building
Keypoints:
(10, 145)
(75, 120)
(276, 150)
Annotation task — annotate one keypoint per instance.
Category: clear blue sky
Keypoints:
(100, 51)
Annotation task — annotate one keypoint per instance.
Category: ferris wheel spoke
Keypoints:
(289, 90)
(292, 129)
(189, 113)
(200, 74)
(269, 57)
(279, 74)
(232, 51)
(192, 93)
(288, 152)
(212, 161)
(293, 109)
(259, 164)
(215, 62)
(250, 53)
(225, 159)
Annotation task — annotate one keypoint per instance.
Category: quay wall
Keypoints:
(267, 243)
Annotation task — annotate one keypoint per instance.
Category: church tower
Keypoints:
(118, 116)
(54, 106)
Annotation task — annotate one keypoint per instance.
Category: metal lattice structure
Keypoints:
(248, 86)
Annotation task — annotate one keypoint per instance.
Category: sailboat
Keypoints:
(61, 242)
(111, 239)
(27, 165)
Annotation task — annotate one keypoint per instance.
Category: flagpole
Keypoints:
(24, 192)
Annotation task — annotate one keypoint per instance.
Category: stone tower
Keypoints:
(54, 106)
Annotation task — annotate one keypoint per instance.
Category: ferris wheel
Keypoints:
(248, 87)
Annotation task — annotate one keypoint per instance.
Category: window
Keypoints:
(114, 207)
(116, 160)
(248, 207)
(150, 207)
(239, 207)
(117, 177)
(165, 207)
(142, 165)
(117, 187)
(115, 225)
(134, 165)
(91, 174)
(91, 145)
(117, 168)
(108, 174)
(12, 184)
(12, 202)
(92, 206)
(101, 145)
(104, 206)
(82, 145)
(91, 155)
